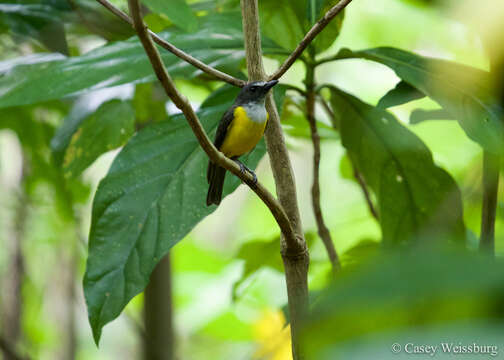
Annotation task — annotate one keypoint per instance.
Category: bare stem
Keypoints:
(294, 250)
(310, 35)
(491, 164)
(323, 231)
(181, 102)
(176, 51)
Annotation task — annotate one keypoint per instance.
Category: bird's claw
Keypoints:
(244, 169)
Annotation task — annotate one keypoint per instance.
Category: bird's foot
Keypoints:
(244, 169)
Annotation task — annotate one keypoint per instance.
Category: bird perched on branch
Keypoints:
(239, 131)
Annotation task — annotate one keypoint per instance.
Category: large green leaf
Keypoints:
(218, 42)
(152, 196)
(463, 91)
(416, 198)
(419, 297)
(177, 11)
(109, 127)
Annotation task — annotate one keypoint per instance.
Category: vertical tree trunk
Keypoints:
(294, 251)
(159, 336)
(12, 304)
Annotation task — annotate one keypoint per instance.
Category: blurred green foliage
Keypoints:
(75, 85)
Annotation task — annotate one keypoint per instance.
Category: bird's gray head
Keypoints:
(255, 92)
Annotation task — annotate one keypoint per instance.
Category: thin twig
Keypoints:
(326, 107)
(181, 102)
(310, 35)
(362, 183)
(176, 51)
(323, 231)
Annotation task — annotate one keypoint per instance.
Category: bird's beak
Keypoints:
(270, 84)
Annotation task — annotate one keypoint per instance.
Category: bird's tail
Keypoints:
(215, 177)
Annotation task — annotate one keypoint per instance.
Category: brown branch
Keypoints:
(310, 35)
(294, 251)
(176, 51)
(181, 102)
(323, 231)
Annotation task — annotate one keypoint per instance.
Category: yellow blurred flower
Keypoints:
(273, 337)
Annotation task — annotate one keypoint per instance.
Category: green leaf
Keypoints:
(108, 128)
(420, 297)
(420, 115)
(296, 125)
(258, 254)
(283, 20)
(287, 21)
(219, 41)
(463, 91)
(177, 11)
(41, 21)
(149, 102)
(152, 196)
(331, 32)
(401, 94)
(416, 199)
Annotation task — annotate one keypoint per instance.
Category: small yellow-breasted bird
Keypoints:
(239, 131)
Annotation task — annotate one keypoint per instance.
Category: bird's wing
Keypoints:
(226, 120)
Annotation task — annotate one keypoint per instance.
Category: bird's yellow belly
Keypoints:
(242, 135)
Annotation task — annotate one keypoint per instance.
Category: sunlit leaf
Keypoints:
(463, 91)
(416, 199)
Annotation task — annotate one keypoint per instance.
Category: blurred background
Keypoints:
(228, 287)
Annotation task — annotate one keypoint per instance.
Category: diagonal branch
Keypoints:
(181, 102)
(310, 35)
(176, 51)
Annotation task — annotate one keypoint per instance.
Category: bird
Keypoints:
(240, 129)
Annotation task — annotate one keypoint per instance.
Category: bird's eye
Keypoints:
(253, 88)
